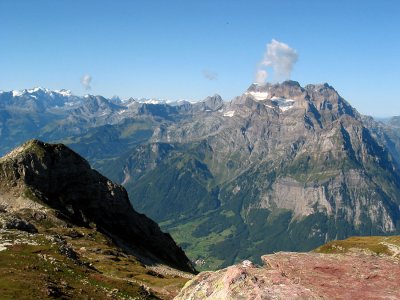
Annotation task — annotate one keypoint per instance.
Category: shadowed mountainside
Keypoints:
(53, 204)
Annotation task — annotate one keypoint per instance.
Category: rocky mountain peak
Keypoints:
(317, 99)
(213, 102)
(318, 86)
(254, 87)
(58, 178)
(257, 87)
(287, 90)
(291, 83)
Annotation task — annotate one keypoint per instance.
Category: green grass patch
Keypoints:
(377, 245)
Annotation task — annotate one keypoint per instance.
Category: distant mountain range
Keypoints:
(281, 167)
(58, 114)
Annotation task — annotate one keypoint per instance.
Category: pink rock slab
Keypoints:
(288, 275)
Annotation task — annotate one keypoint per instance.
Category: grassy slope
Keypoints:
(102, 269)
(377, 245)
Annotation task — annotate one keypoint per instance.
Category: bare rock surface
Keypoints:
(288, 275)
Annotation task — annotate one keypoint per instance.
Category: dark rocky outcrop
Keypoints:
(54, 175)
(13, 222)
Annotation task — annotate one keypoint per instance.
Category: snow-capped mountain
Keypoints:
(46, 98)
(38, 99)
(44, 113)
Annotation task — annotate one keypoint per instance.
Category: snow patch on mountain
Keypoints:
(230, 113)
(16, 93)
(37, 89)
(65, 93)
(259, 95)
(29, 92)
(283, 103)
(153, 101)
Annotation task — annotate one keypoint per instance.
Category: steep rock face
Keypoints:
(282, 167)
(387, 133)
(209, 104)
(55, 176)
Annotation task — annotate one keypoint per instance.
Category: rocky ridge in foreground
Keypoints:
(357, 268)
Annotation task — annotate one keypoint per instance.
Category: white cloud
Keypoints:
(280, 58)
(210, 75)
(261, 76)
(86, 81)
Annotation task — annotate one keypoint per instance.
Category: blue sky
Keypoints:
(164, 48)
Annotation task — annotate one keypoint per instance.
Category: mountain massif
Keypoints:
(280, 168)
(74, 233)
